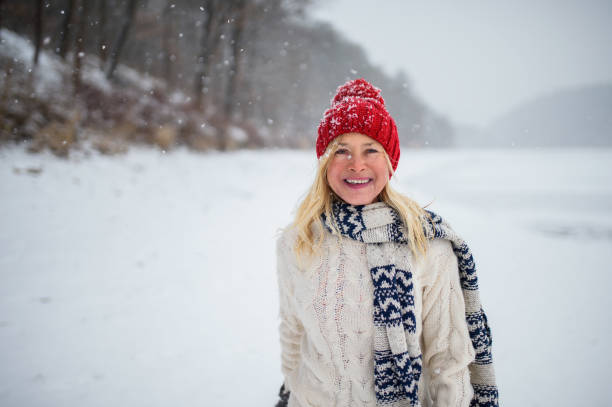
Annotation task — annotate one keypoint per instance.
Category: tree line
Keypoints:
(260, 65)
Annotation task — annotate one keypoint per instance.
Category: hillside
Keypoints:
(248, 76)
(568, 118)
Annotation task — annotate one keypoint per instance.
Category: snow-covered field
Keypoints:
(149, 279)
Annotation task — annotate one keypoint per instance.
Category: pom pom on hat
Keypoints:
(358, 107)
(360, 88)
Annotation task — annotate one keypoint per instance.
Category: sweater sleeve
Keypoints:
(290, 328)
(447, 346)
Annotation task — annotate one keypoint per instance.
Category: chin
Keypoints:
(358, 201)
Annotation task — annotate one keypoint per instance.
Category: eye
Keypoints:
(371, 151)
(341, 151)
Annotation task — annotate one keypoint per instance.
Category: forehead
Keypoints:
(356, 139)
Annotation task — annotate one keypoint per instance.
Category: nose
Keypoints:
(356, 163)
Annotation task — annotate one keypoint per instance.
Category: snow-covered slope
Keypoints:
(149, 279)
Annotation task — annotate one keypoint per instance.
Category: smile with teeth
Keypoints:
(358, 181)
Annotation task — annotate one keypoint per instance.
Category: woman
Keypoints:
(378, 297)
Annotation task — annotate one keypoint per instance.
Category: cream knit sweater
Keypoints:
(327, 328)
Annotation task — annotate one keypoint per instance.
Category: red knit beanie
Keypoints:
(358, 107)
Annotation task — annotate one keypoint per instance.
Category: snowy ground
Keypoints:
(149, 279)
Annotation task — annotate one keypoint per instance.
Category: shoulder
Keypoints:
(286, 240)
(439, 248)
(439, 261)
(288, 236)
(286, 263)
(437, 228)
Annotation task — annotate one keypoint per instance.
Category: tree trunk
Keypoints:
(38, 26)
(64, 40)
(1, 11)
(235, 71)
(207, 43)
(254, 19)
(102, 43)
(121, 39)
(166, 47)
(83, 12)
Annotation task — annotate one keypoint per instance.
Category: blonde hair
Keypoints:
(319, 200)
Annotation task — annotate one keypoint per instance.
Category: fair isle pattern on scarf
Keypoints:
(397, 353)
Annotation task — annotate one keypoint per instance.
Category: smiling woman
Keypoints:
(378, 297)
(359, 169)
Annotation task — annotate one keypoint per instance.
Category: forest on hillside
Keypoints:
(207, 74)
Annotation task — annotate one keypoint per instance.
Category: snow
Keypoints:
(51, 68)
(237, 134)
(148, 279)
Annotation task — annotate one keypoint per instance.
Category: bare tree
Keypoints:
(239, 13)
(209, 44)
(83, 15)
(122, 38)
(102, 42)
(38, 26)
(1, 11)
(64, 37)
(167, 48)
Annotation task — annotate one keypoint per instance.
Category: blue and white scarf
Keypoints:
(397, 353)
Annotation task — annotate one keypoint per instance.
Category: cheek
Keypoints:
(333, 172)
(381, 182)
(382, 175)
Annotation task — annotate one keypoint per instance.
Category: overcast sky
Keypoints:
(473, 60)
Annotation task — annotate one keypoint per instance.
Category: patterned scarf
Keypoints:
(397, 353)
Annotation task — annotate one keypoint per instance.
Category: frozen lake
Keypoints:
(149, 279)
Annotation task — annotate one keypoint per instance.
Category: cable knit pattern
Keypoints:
(328, 333)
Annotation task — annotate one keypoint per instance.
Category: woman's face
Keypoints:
(358, 171)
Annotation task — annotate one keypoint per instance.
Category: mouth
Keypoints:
(357, 182)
